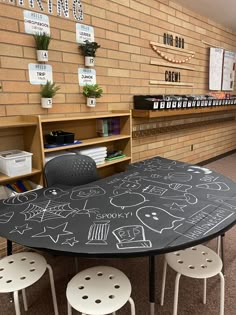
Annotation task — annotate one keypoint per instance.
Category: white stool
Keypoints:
(198, 262)
(99, 290)
(19, 271)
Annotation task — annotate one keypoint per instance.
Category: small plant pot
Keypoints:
(42, 55)
(91, 101)
(89, 61)
(46, 102)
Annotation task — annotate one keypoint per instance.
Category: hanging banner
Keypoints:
(86, 76)
(83, 33)
(36, 23)
(39, 73)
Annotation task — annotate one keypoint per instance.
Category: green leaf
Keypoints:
(49, 89)
(89, 48)
(92, 90)
(42, 41)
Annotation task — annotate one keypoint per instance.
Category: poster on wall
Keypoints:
(228, 70)
(36, 23)
(215, 68)
(83, 33)
(39, 73)
(86, 76)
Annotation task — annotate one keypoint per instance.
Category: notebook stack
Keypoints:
(98, 154)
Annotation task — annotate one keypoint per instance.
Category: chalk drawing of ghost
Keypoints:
(157, 219)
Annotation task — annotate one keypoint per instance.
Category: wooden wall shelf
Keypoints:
(153, 82)
(139, 113)
(170, 65)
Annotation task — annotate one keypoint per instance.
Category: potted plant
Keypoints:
(47, 92)
(42, 41)
(92, 91)
(89, 52)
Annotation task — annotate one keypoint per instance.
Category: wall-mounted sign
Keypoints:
(86, 76)
(228, 70)
(83, 33)
(172, 76)
(176, 41)
(215, 68)
(36, 23)
(39, 73)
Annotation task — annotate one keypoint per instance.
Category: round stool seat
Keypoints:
(19, 271)
(98, 290)
(195, 262)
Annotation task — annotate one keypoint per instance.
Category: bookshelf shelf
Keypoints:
(27, 133)
(86, 130)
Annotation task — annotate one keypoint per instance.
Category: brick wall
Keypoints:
(124, 29)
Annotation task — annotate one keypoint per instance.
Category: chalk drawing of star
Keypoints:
(176, 206)
(54, 232)
(21, 229)
(70, 241)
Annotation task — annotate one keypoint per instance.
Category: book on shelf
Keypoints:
(116, 125)
(108, 126)
(102, 127)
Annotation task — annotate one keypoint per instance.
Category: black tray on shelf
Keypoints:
(60, 137)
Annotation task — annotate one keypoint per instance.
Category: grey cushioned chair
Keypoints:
(71, 170)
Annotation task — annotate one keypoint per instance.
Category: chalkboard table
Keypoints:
(156, 206)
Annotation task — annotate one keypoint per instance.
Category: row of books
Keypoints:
(20, 186)
(108, 126)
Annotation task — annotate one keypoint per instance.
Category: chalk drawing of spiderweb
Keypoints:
(47, 210)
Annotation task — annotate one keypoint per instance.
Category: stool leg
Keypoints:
(222, 293)
(176, 295)
(16, 302)
(222, 252)
(24, 300)
(163, 283)
(54, 298)
(218, 245)
(132, 306)
(204, 290)
(76, 265)
(69, 309)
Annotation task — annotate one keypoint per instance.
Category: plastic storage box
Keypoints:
(15, 162)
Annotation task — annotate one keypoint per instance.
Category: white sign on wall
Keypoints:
(83, 33)
(229, 70)
(36, 23)
(86, 76)
(39, 73)
(215, 68)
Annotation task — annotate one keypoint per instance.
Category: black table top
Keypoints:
(154, 207)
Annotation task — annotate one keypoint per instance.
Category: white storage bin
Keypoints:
(15, 162)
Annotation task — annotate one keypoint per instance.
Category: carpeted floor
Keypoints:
(191, 290)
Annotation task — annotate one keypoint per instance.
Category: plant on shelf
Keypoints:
(92, 91)
(42, 41)
(47, 92)
(89, 52)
